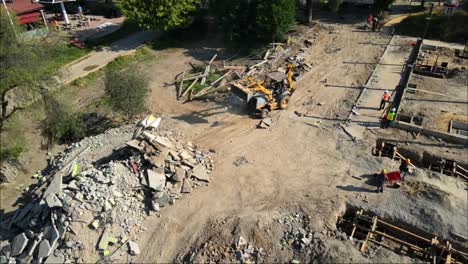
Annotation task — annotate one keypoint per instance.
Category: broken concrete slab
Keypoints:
(162, 198)
(55, 186)
(45, 249)
(179, 174)
(73, 185)
(52, 235)
(164, 142)
(199, 172)
(133, 248)
(19, 244)
(174, 155)
(156, 180)
(185, 155)
(56, 258)
(241, 242)
(186, 186)
(160, 159)
(53, 201)
(135, 143)
(265, 123)
(33, 245)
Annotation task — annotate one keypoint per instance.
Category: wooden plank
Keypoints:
(194, 77)
(181, 85)
(461, 168)
(401, 156)
(258, 64)
(207, 69)
(189, 88)
(220, 78)
(404, 231)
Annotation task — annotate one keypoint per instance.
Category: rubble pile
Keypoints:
(240, 251)
(297, 234)
(101, 206)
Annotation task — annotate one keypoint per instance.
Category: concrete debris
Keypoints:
(241, 242)
(265, 123)
(107, 193)
(156, 180)
(186, 188)
(44, 249)
(19, 244)
(199, 172)
(133, 248)
(53, 201)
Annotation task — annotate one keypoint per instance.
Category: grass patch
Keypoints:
(446, 28)
(126, 29)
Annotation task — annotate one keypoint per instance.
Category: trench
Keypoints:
(425, 159)
(399, 237)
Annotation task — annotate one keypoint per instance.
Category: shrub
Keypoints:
(60, 124)
(126, 90)
(11, 153)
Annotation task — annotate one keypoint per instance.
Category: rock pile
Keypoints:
(239, 252)
(297, 234)
(100, 207)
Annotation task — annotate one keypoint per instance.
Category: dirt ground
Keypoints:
(444, 100)
(300, 168)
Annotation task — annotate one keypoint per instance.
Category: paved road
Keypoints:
(99, 59)
(386, 76)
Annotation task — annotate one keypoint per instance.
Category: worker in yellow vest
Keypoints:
(390, 118)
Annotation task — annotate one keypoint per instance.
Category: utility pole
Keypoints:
(11, 20)
(428, 20)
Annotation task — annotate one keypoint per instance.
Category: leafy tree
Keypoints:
(126, 90)
(159, 14)
(23, 63)
(255, 20)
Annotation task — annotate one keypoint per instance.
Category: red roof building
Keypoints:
(27, 11)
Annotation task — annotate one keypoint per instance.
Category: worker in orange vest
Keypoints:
(384, 100)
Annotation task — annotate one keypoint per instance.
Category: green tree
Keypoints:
(23, 63)
(255, 20)
(159, 14)
(126, 90)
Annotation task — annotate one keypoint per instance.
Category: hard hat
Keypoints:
(384, 171)
(386, 91)
(408, 161)
(393, 109)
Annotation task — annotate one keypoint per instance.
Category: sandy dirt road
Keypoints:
(290, 163)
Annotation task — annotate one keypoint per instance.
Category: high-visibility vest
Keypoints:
(391, 116)
(386, 96)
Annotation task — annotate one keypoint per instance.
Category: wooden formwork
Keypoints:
(375, 230)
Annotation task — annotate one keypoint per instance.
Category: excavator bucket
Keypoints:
(243, 93)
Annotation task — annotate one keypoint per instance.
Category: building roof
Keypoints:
(21, 7)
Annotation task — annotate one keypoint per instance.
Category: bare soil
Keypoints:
(301, 165)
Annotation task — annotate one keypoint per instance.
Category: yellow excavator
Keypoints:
(274, 92)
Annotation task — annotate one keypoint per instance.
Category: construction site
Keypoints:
(267, 158)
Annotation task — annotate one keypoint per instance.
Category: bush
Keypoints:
(11, 153)
(126, 90)
(60, 124)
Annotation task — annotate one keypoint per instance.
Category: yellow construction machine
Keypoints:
(272, 93)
